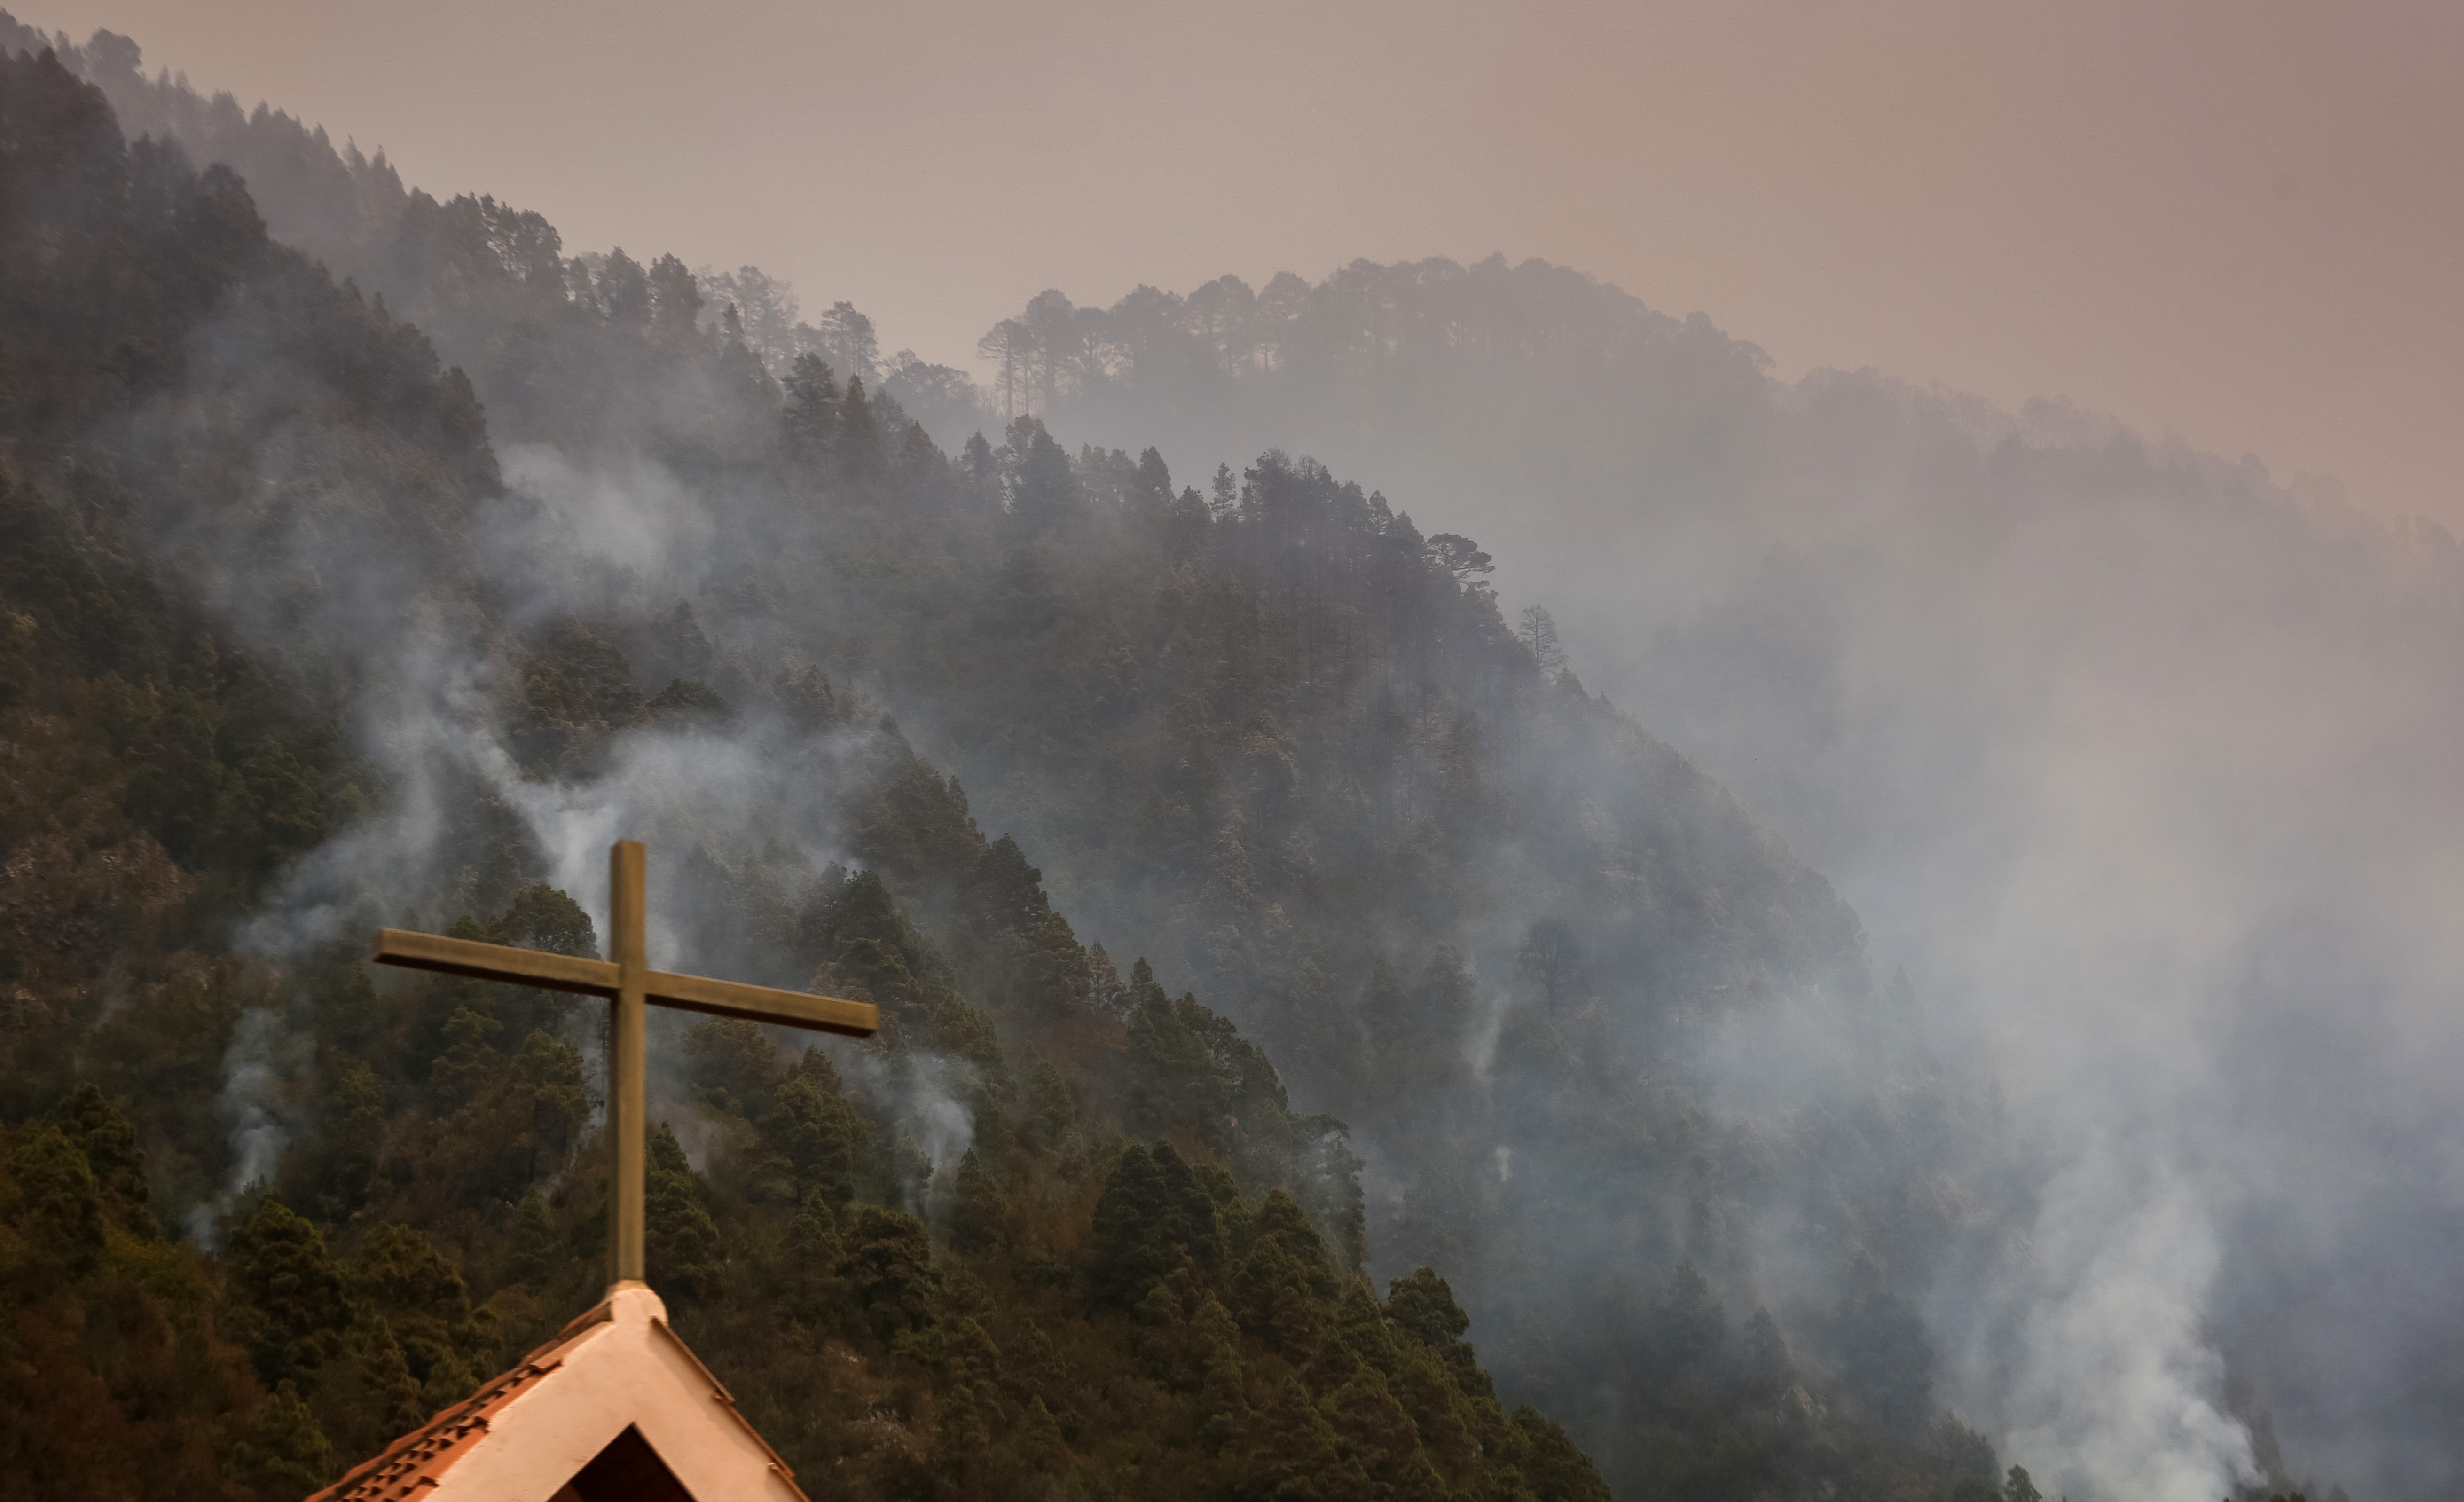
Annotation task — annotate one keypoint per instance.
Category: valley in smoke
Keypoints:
(2133, 759)
(2140, 760)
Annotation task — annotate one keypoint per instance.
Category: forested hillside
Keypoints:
(2138, 758)
(379, 565)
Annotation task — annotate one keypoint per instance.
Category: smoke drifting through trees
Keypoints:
(2129, 754)
(1276, 737)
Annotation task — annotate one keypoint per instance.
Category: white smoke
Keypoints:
(261, 1067)
(431, 716)
(2111, 1374)
(2142, 762)
(944, 1127)
(250, 1075)
(753, 788)
(923, 1094)
(627, 512)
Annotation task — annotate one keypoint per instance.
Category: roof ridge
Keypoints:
(727, 1400)
(449, 1426)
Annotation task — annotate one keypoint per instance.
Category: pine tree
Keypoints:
(401, 1274)
(849, 336)
(859, 441)
(297, 1308)
(469, 1058)
(108, 1140)
(681, 1241)
(813, 1254)
(982, 471)
(674, 297)
(1051, 1112)
(1359, 1327)
(1422, 1307)
(285, 1454)
(53, 1203)
(372, 1398)
(1380, 1441)
(1537, 630)
(1152, 488)
(1009, 343)
(1550, 965)
(1043, 489)
(1223, 1402)
(1285, 1286)
(810, 417)
(889, 1271)
(1293, 1451)
(537, 1249)
(1130, 1249)
(977, 1210)
(1549, 1464)
(623, 290)
(826, 1146)
(539, 917)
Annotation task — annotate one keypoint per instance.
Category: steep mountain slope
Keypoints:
(305, 645)
(194, 414)
(2139, 758)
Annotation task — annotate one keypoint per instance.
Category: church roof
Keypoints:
(616, 1408)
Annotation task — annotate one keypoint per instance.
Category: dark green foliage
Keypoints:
(542, 917)
(294, 1295)
(1423, 1310)
(1275, 739)
(810, 1280)
(977, 1210)
(1151, 1217)
(859, 446)
(827, 1144)
(1553, 1467)
(1285, 1285)
(108, 1142)
(683, 1247)
(534, 1251)
(285, 1453)
(364, 1402)
(116, 1380)
(810, 417)
(407, 1282)
(1292, 1450)
(55, 1205)
(889, 1271)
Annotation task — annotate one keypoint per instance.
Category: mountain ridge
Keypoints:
(1071, 628)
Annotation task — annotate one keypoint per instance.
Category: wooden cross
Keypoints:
(628, 980)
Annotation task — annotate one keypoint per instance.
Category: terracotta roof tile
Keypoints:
(412, 1465)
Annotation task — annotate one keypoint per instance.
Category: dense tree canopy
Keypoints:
(299, 633)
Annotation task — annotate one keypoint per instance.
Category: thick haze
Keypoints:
(2239, 221)
(2144, 761)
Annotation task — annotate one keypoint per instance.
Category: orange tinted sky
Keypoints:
(2240, 221)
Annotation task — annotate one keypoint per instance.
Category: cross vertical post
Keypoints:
(628, 1041)
(629, 984)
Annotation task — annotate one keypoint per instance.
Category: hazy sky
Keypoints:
(2239, 221)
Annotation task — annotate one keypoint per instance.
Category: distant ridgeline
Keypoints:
(282, 654)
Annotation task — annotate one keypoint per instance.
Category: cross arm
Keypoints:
(468, 956)
(695, 993)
